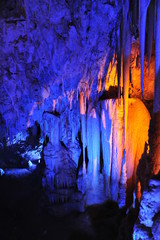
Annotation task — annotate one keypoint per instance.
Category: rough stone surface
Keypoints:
(59, 180)
(47, 49)
(156, 227)
(148, 219)
(155, 142)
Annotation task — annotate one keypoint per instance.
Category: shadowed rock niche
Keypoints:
(78, 91)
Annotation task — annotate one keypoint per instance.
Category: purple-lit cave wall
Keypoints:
(47, 50)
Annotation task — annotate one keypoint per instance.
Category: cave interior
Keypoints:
(80, 119)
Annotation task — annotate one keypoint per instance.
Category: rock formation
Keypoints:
(147, 225)
(75, 77)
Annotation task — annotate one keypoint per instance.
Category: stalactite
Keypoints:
(157, 60)
(143, 6)
(150, 31)
(135, 14)
(83, 126)
(93, 142)
(121, 70)
(126, 63)
(119, 61)
(83, 122)
(123, 182)
(117, 149)
(155, 2)
(124, 170)
(106, 137)
(138, 191)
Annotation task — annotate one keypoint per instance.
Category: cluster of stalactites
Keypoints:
(153, 8)
(146, 14)
(149, 12)
(131, 20)
(143, 6)
(84, 94)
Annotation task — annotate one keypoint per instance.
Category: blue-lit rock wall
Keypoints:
(47, 49)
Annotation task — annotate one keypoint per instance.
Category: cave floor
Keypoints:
(24, 215)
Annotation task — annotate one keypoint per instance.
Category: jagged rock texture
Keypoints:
(47, 49)
(147, 225)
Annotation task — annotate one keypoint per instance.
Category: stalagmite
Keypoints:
(143, 6)
(150, 31)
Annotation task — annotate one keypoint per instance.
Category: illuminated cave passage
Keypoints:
(80, 119)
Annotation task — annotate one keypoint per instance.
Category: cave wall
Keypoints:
(49, 50)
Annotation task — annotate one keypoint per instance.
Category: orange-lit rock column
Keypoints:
(126, 64)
